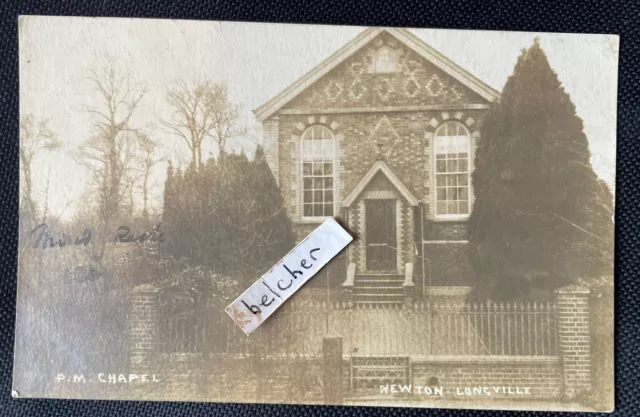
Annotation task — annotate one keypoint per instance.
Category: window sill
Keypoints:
(313, 220)
(451, 219)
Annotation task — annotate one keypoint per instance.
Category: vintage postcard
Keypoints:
(166, 166)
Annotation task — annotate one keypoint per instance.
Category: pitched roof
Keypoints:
(379, 166)
(404, 36)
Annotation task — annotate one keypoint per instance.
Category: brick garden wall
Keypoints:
(252, 376)
(542, 375)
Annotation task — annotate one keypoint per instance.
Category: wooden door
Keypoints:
(380, 235)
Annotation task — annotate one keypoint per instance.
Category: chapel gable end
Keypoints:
(384, 73)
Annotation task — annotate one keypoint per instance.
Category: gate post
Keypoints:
(347, 286)
(143, 327)
(574, 338)
(332, 370)
(408, 286)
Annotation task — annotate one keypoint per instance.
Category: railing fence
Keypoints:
(422, 329)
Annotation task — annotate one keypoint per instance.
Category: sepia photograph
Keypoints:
(168, 165)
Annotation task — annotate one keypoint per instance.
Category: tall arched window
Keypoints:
(385, 60)
(452, 170)
(318, 155)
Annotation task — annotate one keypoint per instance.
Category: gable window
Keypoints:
(318, 155)
(452, 170)
(385, 60)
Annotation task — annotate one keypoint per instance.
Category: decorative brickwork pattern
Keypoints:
(362, 264)
(474, 132)
(289, 165)
(354, 83)
(403, 139)
(400, 131)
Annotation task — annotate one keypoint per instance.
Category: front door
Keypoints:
(380, 235)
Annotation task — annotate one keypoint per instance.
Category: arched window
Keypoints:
(385, 60)
(452, 170)
(318, 155)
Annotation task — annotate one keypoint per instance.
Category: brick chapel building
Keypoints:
(382, 135)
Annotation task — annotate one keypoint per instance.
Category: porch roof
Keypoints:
(379, 166)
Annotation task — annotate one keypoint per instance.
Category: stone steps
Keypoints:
(383, 289)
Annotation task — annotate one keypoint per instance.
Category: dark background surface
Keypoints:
(591, 16)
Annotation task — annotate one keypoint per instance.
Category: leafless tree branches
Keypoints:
(200, 111)
(149, 156)
(111, 151)
(35, 138)
(225, 117)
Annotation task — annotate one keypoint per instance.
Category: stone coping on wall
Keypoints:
(448, 290)
(446, 359)
(484, 359)
(572, 289)
(507, 404)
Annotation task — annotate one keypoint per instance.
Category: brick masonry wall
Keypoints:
(543, 377)
(143, 327)
(446, 231)
(406, 136)
(548, 377)
(448, 264)
(405, 150)
(574, 341)
(406, 147)
(233, 379)
(353, 84)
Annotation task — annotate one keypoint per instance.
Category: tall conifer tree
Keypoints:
(542, 218)
(272, 225)
(228, 216)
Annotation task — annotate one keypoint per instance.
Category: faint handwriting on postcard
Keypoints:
(44, 237)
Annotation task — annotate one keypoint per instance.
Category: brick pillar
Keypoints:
(332, 370)
(143, 327)
(574, 344)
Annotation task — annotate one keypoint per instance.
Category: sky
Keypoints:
(257, 61)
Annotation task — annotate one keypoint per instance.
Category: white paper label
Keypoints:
(268, 293)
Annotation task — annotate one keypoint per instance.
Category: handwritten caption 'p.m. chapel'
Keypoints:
(260, 300)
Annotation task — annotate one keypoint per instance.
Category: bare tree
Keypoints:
(191, 119)
(110, 169)
(130, 181)
(225, 116)
(199, 111)
(110, 152)
(35, 138)
(149, 150)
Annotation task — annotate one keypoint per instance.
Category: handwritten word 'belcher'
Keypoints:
(286, 277)
(294, 275)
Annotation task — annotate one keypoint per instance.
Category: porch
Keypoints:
(400, 255)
